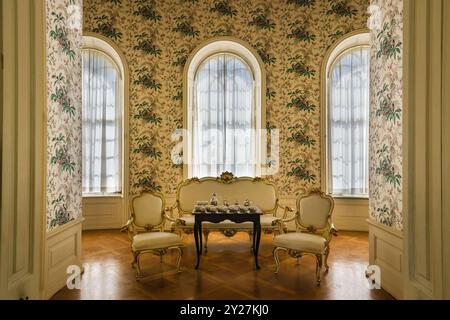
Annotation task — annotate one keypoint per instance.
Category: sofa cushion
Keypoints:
(155, 240)
(261, 193)
(301, 242)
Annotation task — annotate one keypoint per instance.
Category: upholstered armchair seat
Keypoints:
(145, 229)
(155, 240)
(314, 230)
(301, 242)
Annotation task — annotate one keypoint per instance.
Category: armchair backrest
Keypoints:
(314, 211)
(147, 210)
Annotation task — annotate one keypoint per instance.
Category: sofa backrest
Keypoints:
(260, 192)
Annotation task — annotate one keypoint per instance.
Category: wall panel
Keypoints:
(426, 157)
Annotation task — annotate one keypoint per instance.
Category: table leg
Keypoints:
(196, 224)
(254, 238)
(258, 239)
(200, 234)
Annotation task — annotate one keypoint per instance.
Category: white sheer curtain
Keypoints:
(224, 138)
(349, 124)
(102, 124)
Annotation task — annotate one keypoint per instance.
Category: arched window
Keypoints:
(347, 120)
(224, 111)
(103, 118)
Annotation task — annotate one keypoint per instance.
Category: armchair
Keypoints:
(314, 230)
(145, 229)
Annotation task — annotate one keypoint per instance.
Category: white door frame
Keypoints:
(23, 149)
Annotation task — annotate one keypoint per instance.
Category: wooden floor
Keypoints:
(226, 272)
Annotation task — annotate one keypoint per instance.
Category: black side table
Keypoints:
(234, 217)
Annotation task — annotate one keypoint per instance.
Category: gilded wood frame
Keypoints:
(133, 229)
(327, 233)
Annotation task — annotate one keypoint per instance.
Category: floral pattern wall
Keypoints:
(291, 36)
(64, 36)
(385, 203)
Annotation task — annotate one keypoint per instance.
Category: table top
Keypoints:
(242, 211)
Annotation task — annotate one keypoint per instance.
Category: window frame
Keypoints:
(101, 44)
(207, 49)
(347, 43)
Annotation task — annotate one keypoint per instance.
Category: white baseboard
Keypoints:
(386, 251)
(62, 249)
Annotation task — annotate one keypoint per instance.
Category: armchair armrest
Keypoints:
(127, 226)
(286, 210)
(333, 230)
(170, 210)
(171, 218)
(292, 218)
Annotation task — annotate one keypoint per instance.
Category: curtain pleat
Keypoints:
(224, 112)
(102, 125)
(349, 124)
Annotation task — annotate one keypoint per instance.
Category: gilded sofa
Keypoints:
(259, 191)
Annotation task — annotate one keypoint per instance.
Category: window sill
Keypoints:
(102, 195)
(347, 197)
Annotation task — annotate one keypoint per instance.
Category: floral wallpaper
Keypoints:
(386, 113)
(291, 36)
(64, 35)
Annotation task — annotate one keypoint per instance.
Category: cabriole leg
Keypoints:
(318, 267)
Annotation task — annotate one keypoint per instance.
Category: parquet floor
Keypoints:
(226, 272)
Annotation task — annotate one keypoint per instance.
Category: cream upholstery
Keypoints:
(301, 242)
(261, 192)
(313, 211)
(147, 210)
(155, 240)
(314, 230)
(147, 217)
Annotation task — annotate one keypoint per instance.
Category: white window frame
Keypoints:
(197, 57)
(352, 40)
(103, 45)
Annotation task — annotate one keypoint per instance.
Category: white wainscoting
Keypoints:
(104, 213)
(386, 251)
(349, 214)
(62, 249)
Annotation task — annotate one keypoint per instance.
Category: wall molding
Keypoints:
(386, 251)
(62, 249)
(426, 154)
(23, 155)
